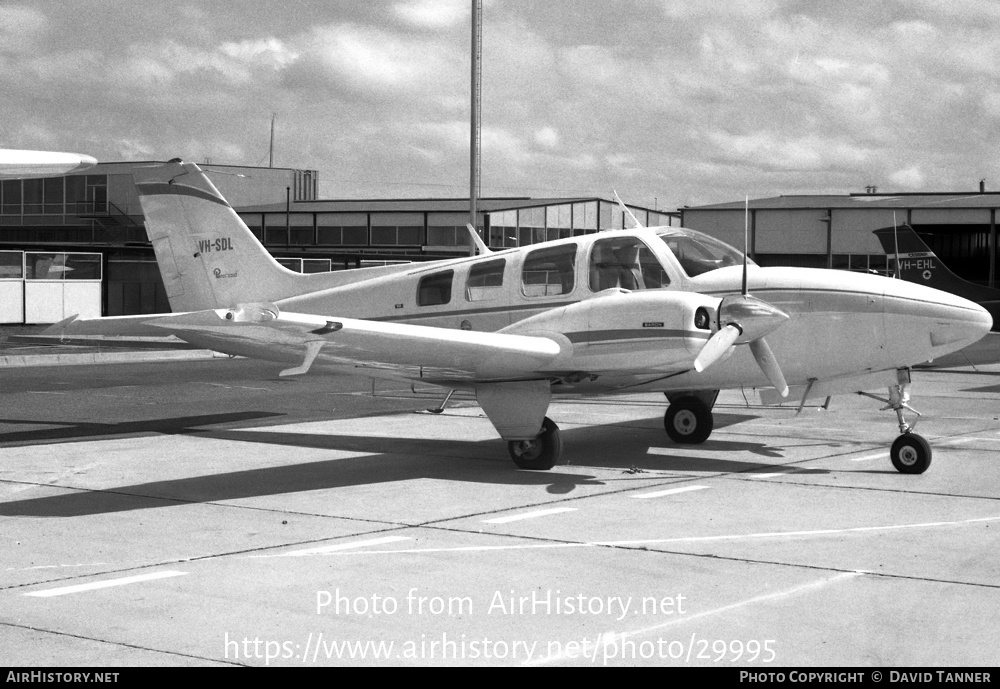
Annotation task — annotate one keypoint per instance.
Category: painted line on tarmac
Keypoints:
(672, 491)
(343, 546)
(868, 458)
(529, 515)
(609, 642)
(668, 541)
(962, 441)
(107, 583)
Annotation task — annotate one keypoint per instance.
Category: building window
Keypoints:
(339, 229)
(397, 229)
(11, 265)
(33, 191)
(11, 196)
(485, 281)
(447, 229)
(434, 290)
(531, 226)
(549, 272)
(503, 229)
(289, 228)
(41, 266)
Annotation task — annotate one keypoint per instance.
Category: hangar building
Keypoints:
(77, 243)
(836, 231)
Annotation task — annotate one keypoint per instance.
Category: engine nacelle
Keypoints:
(621, 330)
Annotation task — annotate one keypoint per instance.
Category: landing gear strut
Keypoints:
(540, 453)
(910, 453)
(688, 420)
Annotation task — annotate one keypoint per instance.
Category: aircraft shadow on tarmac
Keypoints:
(77, 431)
(392, 459)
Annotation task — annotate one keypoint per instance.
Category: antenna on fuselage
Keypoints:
(625, 208)
(481, 247)
(895, 239)
(746, 240)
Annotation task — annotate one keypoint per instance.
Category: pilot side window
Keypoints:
(625, 262)
(485, 280)
(435, 289)
(549, 272)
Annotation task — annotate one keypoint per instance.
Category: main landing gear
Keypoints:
(540, 453)
(910, 453)
(688, 420)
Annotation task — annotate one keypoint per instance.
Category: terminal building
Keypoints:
(77, 244)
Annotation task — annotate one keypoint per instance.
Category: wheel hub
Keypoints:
(685, 422)
(528, 449)
(908, 456)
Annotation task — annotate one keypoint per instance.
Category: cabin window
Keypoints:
(625, 262)
(435, 289)
(549, 272)
(485, 280)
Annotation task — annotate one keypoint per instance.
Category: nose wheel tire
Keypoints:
(688, 421)
(910, 454)
(538, 454)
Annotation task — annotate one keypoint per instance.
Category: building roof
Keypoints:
(864, 201)
(485, 205)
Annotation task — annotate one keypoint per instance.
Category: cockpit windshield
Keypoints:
(699, 253)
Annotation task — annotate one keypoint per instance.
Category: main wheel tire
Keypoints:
(688, 421)
(538, 454)
(910, 454)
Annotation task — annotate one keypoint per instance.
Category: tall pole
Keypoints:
(270, 161)
(474, 124)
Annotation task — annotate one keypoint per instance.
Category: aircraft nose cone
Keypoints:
(922, 323)
(967, 323)
(957, 325)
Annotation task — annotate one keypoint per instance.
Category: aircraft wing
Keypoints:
(411, 351)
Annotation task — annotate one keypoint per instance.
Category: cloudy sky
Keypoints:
(670, 102)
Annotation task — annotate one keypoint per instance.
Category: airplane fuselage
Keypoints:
(840, 324)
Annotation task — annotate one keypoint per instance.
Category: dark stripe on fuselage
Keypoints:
(475, 312)
(623, 335)
(163, 188)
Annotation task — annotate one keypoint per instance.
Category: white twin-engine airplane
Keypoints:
(646, 310)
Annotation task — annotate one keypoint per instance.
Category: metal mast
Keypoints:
(475, 132)
(270, 157)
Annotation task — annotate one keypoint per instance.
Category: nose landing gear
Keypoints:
(910, 453)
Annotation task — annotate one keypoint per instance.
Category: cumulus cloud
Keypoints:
(910, 178)
(374, 59)
(433, 14)
(547, 137)
(20, 27)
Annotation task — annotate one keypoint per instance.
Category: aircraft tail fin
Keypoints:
(208, 257)
(916, 262)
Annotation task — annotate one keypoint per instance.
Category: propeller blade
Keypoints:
(716, 347)
(769, 365)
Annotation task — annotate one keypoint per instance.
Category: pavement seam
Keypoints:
(116, 643)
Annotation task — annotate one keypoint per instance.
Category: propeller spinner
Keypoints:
(744, 319)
